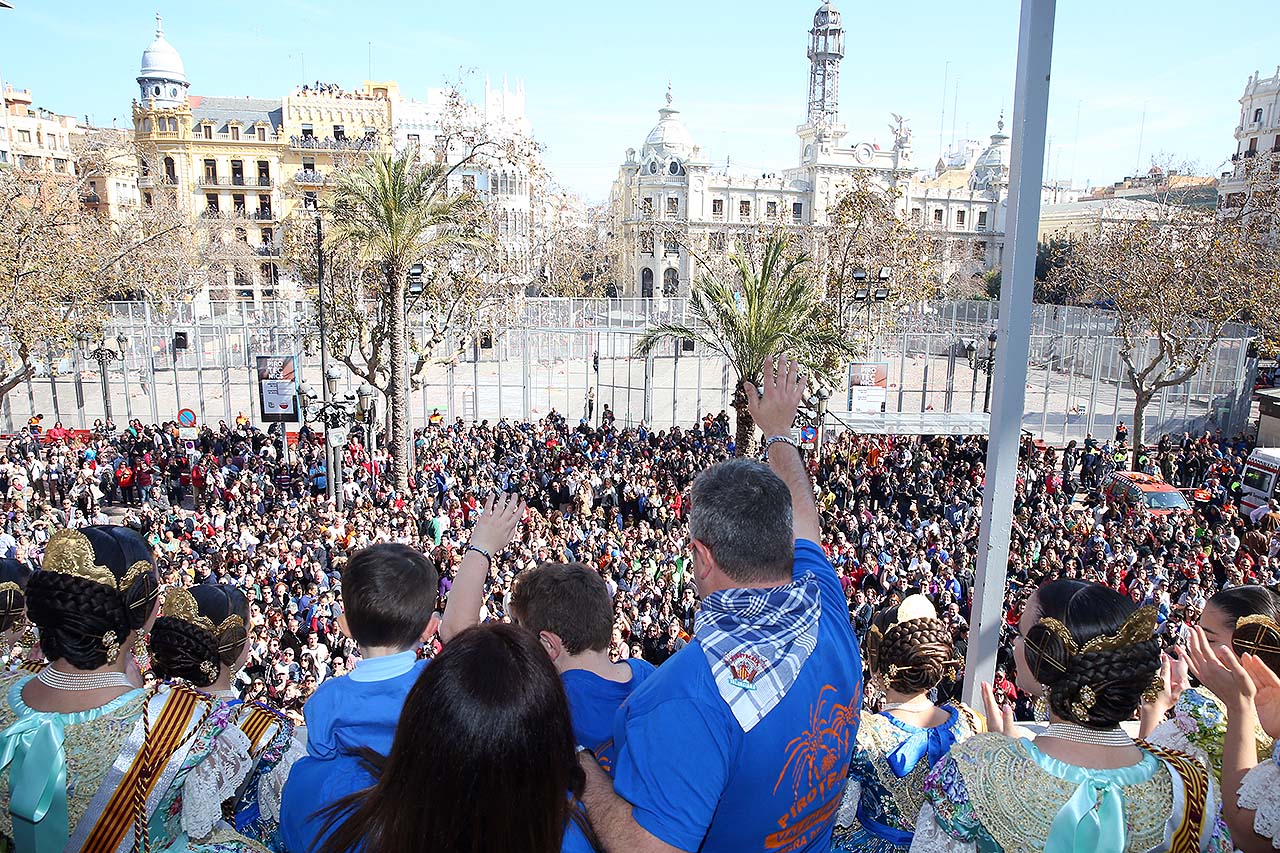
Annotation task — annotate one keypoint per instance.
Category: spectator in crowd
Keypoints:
(483, 759)
(568, 607)
(741, 741)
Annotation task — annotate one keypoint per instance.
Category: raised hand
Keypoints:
(497, 525)
(783, 389)
(1268, 697)
(1220, 670)
(999, 719)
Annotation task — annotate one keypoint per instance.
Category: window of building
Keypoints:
(146, 199)
(646, 205)
(242, 235)
(670, 282)
(268, 237)
(646, 283)
(237, 173)
(146, 127)
(646, 242)
(370, 132)
(797, 212)
(339, 132)
(309, 200)
(211, 171)
(670, 246)
(24, 136)
(960, 218)
(771, 209)
(469, 183)
(979, 250)
(237, 203)
(270, 274)
(937, 216)
(208, 131)
(262, 134)
(308, 132)
(235, 133)
(170, 171)
(264, 206)
(673, 206)
(717, 241)
(264, 173)
(717, 207)
(982, 219)
(211, 202)
(1257, 114)
(744, 210)
(414, 139)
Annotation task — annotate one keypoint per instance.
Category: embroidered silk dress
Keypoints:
(99, 751)
(1199, 727)
(995, 794)
(1260, 792)
(885, 790)
(268, 739)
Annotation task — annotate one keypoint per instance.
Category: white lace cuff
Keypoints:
(848, 812)
(1260, 793)
(214, 781)
(271, 785)
(931, 838)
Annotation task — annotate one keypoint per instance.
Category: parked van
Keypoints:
(1261, 480)
(1136, 489)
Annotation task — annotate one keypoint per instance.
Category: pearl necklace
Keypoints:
(59, 680)
(913, 705)
(1084, 734)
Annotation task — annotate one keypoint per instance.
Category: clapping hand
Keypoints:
(1220, 670)
(497, 525)
(774, 405)
(1267, 699)
(999, 717)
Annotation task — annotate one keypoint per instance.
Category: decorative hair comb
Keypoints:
(69, 552)
(179, 603)
(1257, 635)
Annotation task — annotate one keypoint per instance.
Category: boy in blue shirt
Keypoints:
(389, 591)
(742, 740)
(568, 606)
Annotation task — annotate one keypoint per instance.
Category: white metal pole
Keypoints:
(1030, 116)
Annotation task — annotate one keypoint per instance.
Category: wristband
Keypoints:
(482, 552)
(777, 439)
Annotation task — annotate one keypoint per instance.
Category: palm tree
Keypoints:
(775, 306)
(393, 210)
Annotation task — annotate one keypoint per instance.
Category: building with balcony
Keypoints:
(669, 202)
(1257, 134)
(37, 139)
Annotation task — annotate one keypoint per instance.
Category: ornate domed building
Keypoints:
(162, 79)
(669, 203)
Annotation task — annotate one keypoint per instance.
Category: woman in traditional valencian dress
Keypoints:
(1249, 688)
(201, 639)
(910, 651)
(1199, 721)
(88, 760)
(18, 641)
(1082, 785)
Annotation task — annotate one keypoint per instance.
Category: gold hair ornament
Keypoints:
(111, 643)
(208, 670)
(1152, 694)
(179, 603)
(1084, 704)
(1257, 635)
(69, 552)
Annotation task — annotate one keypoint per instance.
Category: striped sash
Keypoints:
(36, 666)
(257, 724)
(151, 755)
(1195, 783)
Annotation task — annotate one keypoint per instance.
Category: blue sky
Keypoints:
(595, 73)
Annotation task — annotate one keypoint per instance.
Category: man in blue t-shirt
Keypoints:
(741, 741)
(569, 607)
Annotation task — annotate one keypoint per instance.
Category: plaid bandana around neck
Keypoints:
(757, 641)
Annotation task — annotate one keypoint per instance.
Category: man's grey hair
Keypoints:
(742, 511)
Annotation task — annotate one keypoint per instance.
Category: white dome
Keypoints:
(160, 61)
(992, 166)
(669, 136)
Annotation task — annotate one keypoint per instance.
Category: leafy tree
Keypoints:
(1177, 278)
(765, 307)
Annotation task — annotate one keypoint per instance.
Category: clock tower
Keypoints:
(822, 130)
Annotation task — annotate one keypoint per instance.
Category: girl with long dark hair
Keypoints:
(485, 737)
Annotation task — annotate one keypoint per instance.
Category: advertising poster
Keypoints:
(278, 388)
(868, 387)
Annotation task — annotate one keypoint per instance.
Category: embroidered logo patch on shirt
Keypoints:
(745, 667)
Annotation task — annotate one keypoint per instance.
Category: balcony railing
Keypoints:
(262, 216)
(154, 180)
(238, 213)
(717, 217)
(269, 250)
(309, 176)
(223, 181)
(328, 142)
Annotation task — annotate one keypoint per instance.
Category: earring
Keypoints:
(140, 646)
(1085, 703)
(112, 644)
(1041, 708)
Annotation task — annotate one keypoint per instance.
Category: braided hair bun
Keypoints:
(208, 630)
(76, 615)
(1098, 687)
(13, 596)
(910, 647)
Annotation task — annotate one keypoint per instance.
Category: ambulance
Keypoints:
(1261, 480)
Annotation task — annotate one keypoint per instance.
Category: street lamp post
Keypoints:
(984, 363)
(866, 292)
(103, 354)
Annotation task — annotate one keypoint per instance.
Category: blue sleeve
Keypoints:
(673, 768)
(810, 558)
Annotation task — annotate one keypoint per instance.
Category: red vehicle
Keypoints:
(1135, 489)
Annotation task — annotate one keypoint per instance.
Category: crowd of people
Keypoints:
(270, 591)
